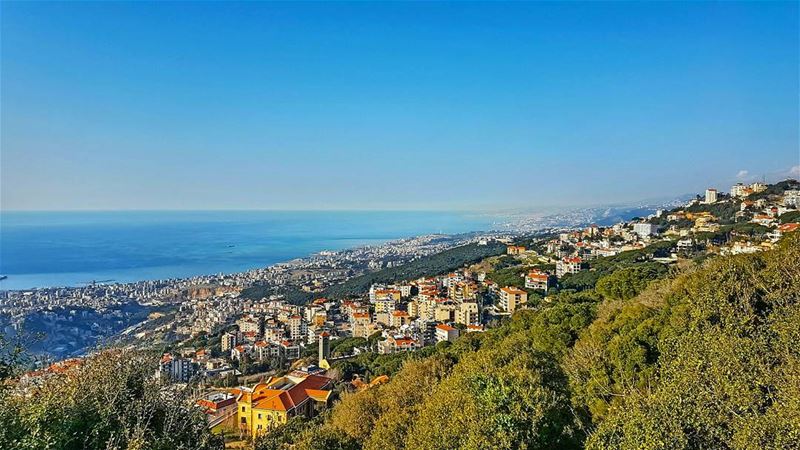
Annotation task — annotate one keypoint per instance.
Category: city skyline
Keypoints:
(377, 106)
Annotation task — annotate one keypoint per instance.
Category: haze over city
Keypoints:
(391, 105)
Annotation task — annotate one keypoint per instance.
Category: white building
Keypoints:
(445, 332)
(644, 229)
(568, 265)
(739, 190)
(538, 280)
(711, 195)
(227, 342)
(791, 198)
(297, 327)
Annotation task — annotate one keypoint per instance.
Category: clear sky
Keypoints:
(391, 105)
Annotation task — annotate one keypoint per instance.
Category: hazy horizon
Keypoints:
(391, 106)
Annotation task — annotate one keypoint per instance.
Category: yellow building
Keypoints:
(278, 399)
(511, 298)
(515, 249)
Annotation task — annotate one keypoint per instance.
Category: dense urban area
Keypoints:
(370, 347)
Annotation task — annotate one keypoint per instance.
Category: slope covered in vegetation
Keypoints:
(427, 266)
(708, 358)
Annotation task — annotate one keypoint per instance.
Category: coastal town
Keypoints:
(258, 360)
(80, 317)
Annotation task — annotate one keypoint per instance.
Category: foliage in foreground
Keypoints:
(111, 401)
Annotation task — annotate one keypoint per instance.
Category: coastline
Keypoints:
(206, 278)
(132, 247)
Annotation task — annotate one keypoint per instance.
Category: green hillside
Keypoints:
(709, 358)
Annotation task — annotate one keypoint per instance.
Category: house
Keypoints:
(445, 332)
(763, 219)
(398, 344)
(511, 298)
(274, 402)
(568, 265)
(515, 249)
(538, 280)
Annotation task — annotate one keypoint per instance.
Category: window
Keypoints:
(242, 408)
(259, 416)
(244, 419)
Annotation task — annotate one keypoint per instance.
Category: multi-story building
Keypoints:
(791, 199)
(296, 327)
(398, 319)
(264, 351)
(445, 332)
(384, 305)
(511, 298)
(461, 291)
(711, 195)
(376, 293)
(176, 369)
(227, 342)
(538, 280)
(739, 190)
(568, 265)
(248, 325)
(467, 313)
(644, 229)
(362, 324)
(444, 312)
(289, 351)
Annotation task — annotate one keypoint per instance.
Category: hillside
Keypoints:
(599, 371)
(430, 265)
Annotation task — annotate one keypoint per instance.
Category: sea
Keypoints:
(51, 249)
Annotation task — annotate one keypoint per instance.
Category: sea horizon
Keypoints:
(68, 248)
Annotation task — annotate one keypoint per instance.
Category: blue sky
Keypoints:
(391, 105)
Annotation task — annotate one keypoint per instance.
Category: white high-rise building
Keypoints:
(645, 229)
(739, 190)
(711, 195)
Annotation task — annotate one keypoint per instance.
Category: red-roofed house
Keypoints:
(568, 265)
(275, 401)
(445, 332)
(398, 344)
(536, 279)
